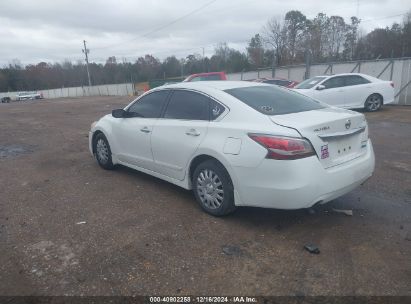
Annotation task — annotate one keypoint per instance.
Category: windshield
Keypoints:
(309, 83)
(274, 100)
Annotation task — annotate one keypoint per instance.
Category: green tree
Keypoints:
(255, 51)
(295, 23)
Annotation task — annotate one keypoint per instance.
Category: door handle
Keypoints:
(192, 132)
(145, 130)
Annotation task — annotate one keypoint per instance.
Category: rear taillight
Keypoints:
(392, 84)
(279, 147)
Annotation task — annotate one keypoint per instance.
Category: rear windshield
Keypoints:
(309, 83)
(206, 77)
(273, 100)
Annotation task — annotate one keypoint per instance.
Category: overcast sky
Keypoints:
(53, 30)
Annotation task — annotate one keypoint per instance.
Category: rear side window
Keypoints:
(355, 80)
(273, 100)
(187, 105)
(216, 109)
(149, 106)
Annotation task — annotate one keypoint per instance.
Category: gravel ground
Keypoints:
(68, 227)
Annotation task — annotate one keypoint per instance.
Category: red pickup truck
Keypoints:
(206, 77)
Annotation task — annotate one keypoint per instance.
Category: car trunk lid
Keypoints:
(337, 135)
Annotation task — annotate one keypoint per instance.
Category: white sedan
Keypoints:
(238, 144)
(350, 91)
(28, 95)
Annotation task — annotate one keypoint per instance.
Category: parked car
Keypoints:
(278, 81)
(5, 99)
(28, 95)
(237, 143)
(206, 76)
(350, 91)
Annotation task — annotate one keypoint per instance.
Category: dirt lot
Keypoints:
(145, 236)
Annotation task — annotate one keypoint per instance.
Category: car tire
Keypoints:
(373, 103)
(102, 152)
(213, 188)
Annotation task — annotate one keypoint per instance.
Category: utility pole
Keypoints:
(86, 51)
(204, 65)
(273, 64)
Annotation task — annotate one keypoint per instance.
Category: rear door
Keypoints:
(178, 134)
(357, 89)
(333, 93)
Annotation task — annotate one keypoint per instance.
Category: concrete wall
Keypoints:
(397, 70)
(123, 89)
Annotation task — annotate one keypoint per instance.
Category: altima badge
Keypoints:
(348, 124)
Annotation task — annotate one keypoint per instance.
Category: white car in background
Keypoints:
(28, 95)
(350, 91)
(237, 143)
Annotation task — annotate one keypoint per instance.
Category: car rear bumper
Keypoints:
(299, 183)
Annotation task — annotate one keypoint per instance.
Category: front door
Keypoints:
(133, 134)
(333, 92)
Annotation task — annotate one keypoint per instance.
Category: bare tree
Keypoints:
(275, 35)
(336, 33)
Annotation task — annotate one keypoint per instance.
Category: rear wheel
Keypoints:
(102, 152)
(213, 188)
(373, 103)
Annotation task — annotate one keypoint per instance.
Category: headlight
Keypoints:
(93, 124)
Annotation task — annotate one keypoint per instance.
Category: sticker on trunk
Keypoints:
(324, 152)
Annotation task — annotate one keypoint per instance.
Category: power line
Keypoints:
(157, 29)
(386, 17)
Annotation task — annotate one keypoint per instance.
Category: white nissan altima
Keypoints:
(238, 144)
(350, 91)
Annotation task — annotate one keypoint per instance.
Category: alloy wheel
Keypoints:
(373, 103)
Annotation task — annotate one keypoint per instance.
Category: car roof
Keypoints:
(343, 74)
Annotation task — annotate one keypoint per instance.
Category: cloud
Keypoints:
(52, 31)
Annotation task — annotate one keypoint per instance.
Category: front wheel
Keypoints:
(213, 188)
(373, 103)
(102, 152)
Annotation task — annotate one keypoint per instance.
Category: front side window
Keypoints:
(149, 106)
(187, 105)
(274, 100)
(334, 82)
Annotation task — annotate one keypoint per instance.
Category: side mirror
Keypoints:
(320, 87)
(119, 113)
